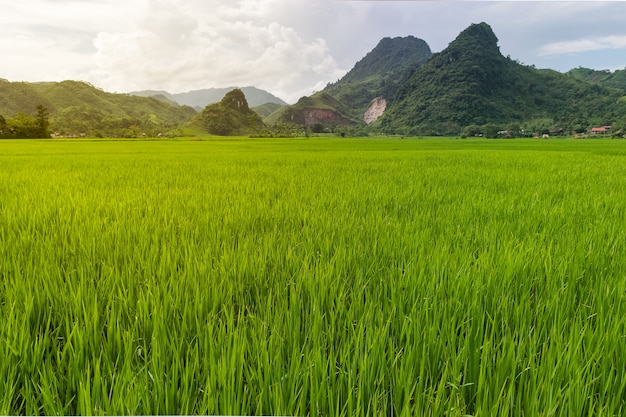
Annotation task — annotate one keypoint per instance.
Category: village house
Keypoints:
(602, 130)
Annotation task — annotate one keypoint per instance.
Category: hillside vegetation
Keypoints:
(400, 87)
(605, 78)
(378, 74)
(317, 112)
(266, 109)
(77, 108)
(231, 116)
(471, 84)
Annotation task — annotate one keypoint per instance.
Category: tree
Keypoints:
(23, 126)
(471, 130)
(42, 121)
(3, 126)
(490, 130)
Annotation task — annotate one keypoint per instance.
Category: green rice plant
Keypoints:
(313, 277)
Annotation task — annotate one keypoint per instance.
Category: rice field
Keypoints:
(313, 277)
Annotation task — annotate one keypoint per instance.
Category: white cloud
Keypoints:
(170, 47)
(583, 45)
(288, 47)
(80, 15)
(43, 40)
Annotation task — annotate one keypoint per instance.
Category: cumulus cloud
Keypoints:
(180, 48)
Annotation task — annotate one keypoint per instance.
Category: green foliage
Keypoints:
(392, 56)
(77, 108)
(230, 117)
(355, 131)
(42, 121)
(24, 126)
(491, 130)
(319, 109)
(343, 103)
(282, 130)
(472, 131)
(266, 109)
(605, 78)
(313, 277)
(379, 73)
(20, 97)
(471, 83)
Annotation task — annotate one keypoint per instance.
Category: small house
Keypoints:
(602, 130)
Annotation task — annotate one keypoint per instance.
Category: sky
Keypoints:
(290, 48)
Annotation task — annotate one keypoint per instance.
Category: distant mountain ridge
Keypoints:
(202, 98)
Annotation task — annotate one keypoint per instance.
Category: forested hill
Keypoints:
(379, 73)
(231, 116)
(470, 83)
(605, 78)
(76, 108)
(391, 56)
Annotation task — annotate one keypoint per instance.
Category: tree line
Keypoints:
(25, 126)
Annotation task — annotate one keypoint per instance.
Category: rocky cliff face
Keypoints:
(375, 110)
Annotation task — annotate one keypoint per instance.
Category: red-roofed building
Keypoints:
(602, 130)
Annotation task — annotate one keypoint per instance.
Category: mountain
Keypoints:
(78, 108)
(380, 73)
(201, 98)
(605, 78)
(373, 81)
(319, 111)
(19, 97)
(231, 116)
(471, 83)
(266, 109)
